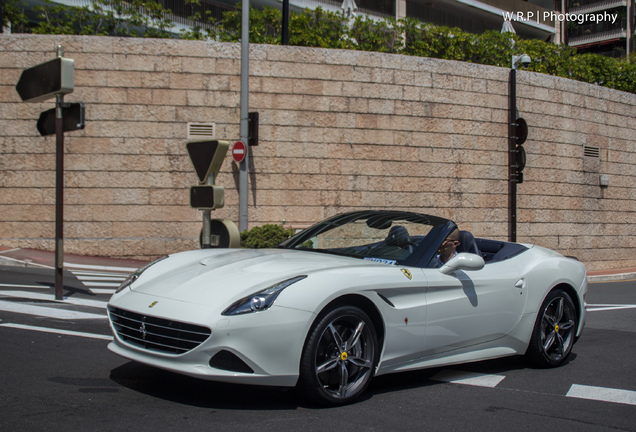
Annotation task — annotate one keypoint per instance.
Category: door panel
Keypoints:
(469, 308)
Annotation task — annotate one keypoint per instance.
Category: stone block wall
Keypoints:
(339, 130)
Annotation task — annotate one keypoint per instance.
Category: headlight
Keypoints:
(261, 300)
(133, 277)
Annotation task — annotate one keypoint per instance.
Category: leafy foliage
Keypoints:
(324, 29)
(128, 18)
(14, 14)
(266, 236)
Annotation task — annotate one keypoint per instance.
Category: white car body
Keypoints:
(422, 316)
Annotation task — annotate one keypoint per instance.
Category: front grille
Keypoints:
(156, 334)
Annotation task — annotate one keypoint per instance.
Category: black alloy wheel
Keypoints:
(554, 331)
(339, 357)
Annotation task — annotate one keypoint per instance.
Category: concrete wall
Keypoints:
(339, 130)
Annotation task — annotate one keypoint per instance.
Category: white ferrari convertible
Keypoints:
(358, 295)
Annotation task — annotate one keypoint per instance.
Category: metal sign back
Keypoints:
(46, 80)
(73, 115)
(207, 157)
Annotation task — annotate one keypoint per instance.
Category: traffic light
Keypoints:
(207, 197)
(518, 156)
(252, 129)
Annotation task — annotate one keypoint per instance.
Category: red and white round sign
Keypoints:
(239, 151)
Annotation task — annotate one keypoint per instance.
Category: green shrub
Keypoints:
(266, 236)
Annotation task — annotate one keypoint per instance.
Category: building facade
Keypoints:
(601, 26)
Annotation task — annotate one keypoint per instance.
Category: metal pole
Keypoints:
(285, 30)
(243, 175)
(512, 182)
(59, 192)
(207, 214)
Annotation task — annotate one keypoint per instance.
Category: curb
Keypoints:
(611, 277)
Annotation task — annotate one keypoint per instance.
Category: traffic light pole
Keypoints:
(243, 174)
(512, 145)
(59, 197)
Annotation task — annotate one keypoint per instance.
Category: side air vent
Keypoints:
(201, 130)
(228, 361)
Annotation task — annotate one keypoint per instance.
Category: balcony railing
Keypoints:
(619, 33)
(598, 27)
(382, 8)
(582, 6)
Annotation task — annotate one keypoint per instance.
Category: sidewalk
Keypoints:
(46, 259)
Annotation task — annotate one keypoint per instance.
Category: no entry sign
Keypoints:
(238, 151)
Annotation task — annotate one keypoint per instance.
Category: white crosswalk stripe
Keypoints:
(468, 378)
(100, 279)
(57, 331)
(49, 312)
(603, 394)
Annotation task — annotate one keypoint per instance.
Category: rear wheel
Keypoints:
(554, 332)
(339, 357)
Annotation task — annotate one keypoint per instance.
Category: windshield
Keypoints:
(383, 236)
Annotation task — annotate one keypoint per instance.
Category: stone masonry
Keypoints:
(339, 130)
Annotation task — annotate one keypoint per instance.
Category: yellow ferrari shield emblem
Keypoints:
(407, 273)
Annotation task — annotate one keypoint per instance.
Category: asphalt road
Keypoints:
(53, 380)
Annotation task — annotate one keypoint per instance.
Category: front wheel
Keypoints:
(339, 357)
(554, 331)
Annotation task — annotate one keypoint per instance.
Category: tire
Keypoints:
(554, 331)
(339, 357)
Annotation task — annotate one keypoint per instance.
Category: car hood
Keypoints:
(218, 278)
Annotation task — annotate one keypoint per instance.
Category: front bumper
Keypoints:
(270, 343)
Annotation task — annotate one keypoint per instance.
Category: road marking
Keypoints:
(103, 291)
(100, 267)
(9, 250)
(100, 282)
(108, 277)
(113, 285)
(50, 297)
(468, 378)
(27, 263)
(57, 331)
(606, 307)
(25, 286)
(48, 312)
(602, 394)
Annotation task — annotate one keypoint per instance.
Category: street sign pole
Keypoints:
(54, 78)
(59, 191)
(243, 174)
(206, 240)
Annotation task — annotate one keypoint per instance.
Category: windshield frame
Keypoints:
(422, 252)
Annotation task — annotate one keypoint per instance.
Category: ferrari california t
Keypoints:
(358, 295)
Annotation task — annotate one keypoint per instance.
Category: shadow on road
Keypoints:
(209, 394)
(201, 393)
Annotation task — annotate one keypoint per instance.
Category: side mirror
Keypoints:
(463, 261)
